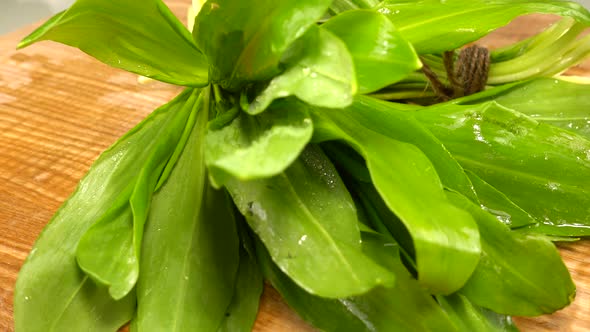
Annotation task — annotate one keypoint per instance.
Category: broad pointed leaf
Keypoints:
(109, 251)
(142, 37)
(445, 237)
(380, 54)
(563, 104)
(243, 309)
(191, 250)
(52, 293)
(405, 307)
(522, 158)
(469, 317)
(253, 147)
(505, 281)
(496, 203)
(308, 222)
(322, 75)
(245, 41)
(435, 26)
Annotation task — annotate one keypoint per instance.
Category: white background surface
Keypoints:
(17, 13)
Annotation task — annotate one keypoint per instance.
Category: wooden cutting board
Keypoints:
(59, 109)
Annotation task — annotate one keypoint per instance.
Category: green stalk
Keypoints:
(578, 51)
(535, 61)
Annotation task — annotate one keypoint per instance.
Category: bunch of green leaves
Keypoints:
(280, 161)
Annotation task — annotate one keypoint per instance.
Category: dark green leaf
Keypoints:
(52, 293)
(469, 317)
(109, 251)
(380, 54)
(142, 37)
(543, 169)
(445, 237)
(308, 222)
(190, 253)
(254, 147)
(435, 26)
(245, 41)
(243, 309)
(322, 75)
(518, 274)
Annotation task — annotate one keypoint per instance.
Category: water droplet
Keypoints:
(302, 239)
(306, 71)
(553, 186)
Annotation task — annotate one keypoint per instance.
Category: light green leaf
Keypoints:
(191, 252)
(142, 37)
(322, 74)
(543, 169)
(505, 281)
(308, 222)
(381, 55)
(52, 293)
(445, 237)
(405, 307)
(435, 26)
(109, 251)
(495, 202)
(254, 147)
(245, 41)
(563, 104)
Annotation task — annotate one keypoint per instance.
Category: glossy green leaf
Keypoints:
(380, 54)
(109, 251)
(543, 169)
(245, 41)
(518, 274)
(52, 293)
(254, 147)
(496, 203)
(191, 251)
(322, 74)
(445, 237)
(142, 37)
(308, 222)
(469, 317)
(435, 26)
(243, 309)
(405, 307)
(562, 104)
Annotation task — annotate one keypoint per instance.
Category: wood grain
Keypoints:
(59, 109)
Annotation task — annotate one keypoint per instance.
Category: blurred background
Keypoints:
(18, 13)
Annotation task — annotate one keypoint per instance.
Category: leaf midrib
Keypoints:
(321, 229)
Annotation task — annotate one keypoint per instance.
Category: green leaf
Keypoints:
(243, 309)
(245, 41)
(405, 307)
(51, 287)
(543, 169)
(505, 280)
(435, 26)
(191, 250)
(109, 251)
(380, 54)
(563, 104)
(469, 317)
(142, 37)
(445, 237)
(308, 222)
(495, 202)
(254, 147)
(322, 74)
